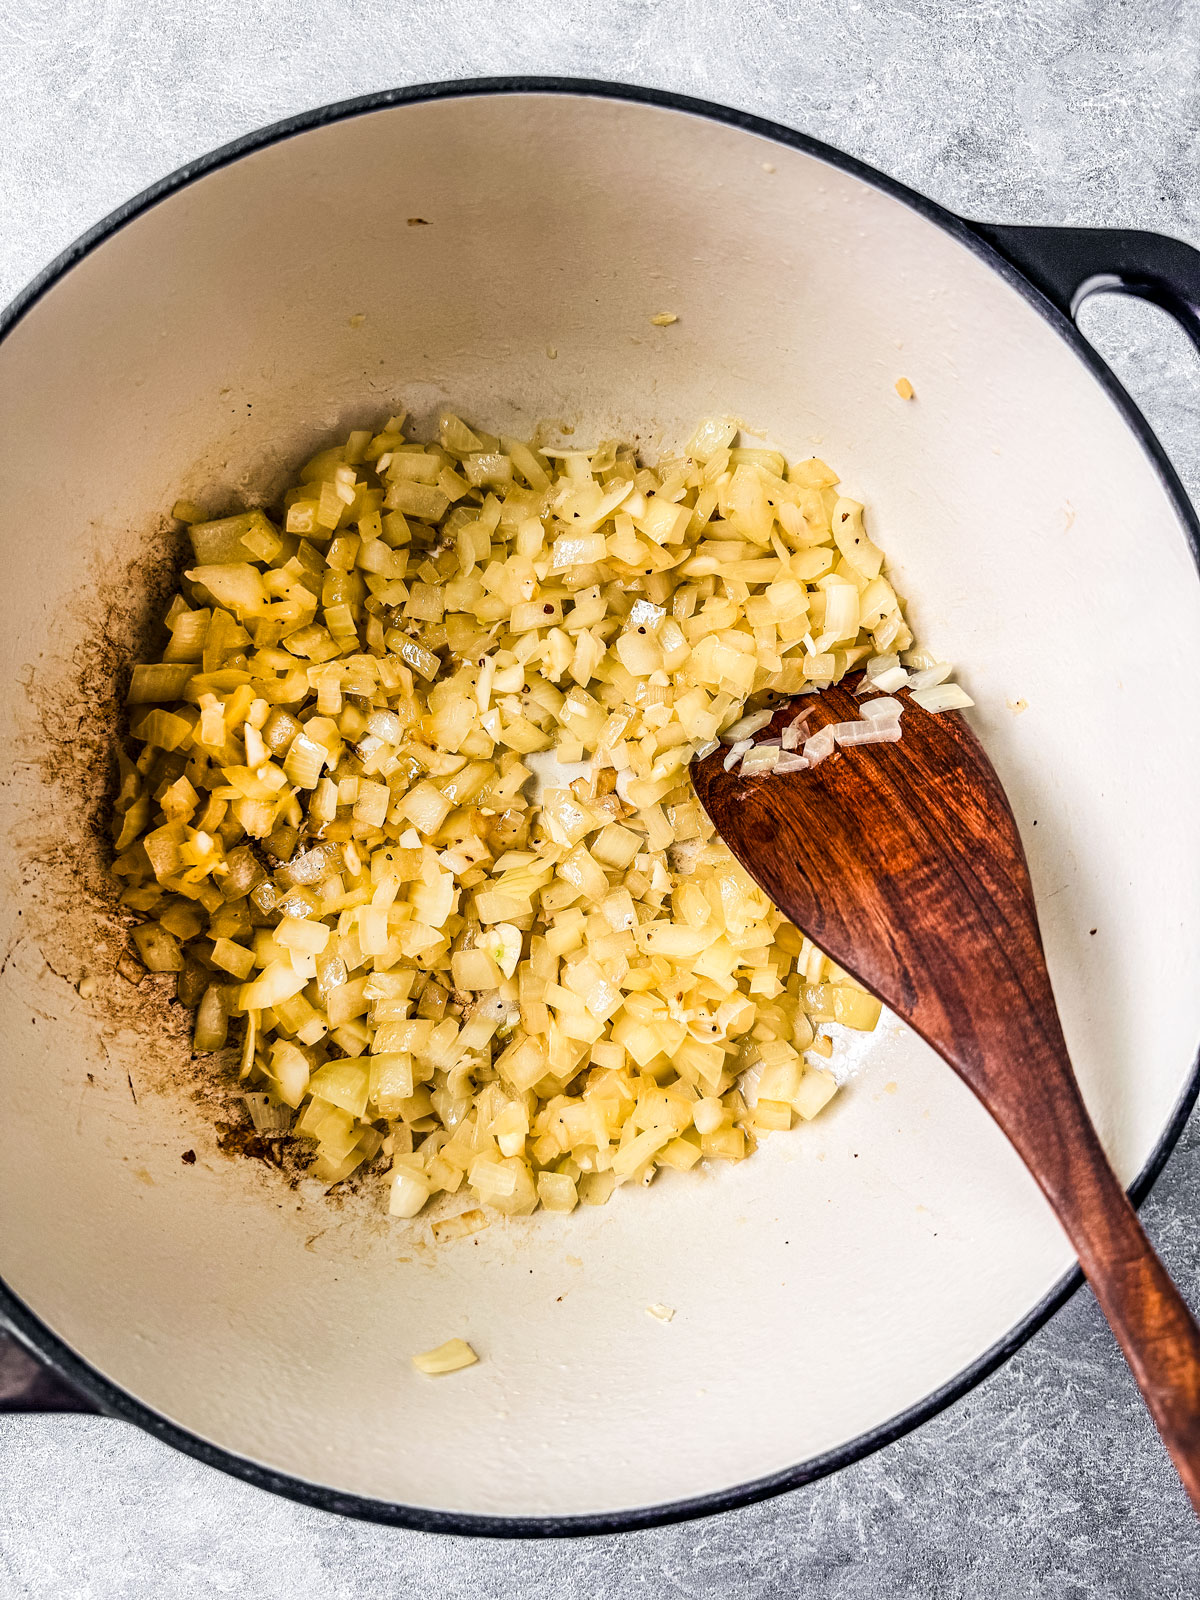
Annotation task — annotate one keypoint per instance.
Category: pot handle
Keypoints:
(1070, 264)
(27, 1385)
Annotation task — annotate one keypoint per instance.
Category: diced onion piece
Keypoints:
(890, 680)
(852, 540)
(425, 807)
(409, 1192)
(163, 682)
(502, 942)
(449, 1357)
(791, 761)
(294, 933)
(342, 1083)
(746, 727)
(945, 697)
(278, 981)
(855, 1008)
(870, 730)
(920, 660)
(761, 759)
(841, 613)
(289, 1066)
(710, 437)
(928, 677)
(817, 1088)
(819, 745)
(876, 665)
(557, 1191)
(212, 1021)
(385, 725)
(461, 1226)
(236, 585)
(414, 655)
(708, 1115)
(269, 1117)
(883, 708)
(158, 949)
(304, 762)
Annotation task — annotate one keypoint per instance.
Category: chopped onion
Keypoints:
(212, 1020)
(894, 678)
(644, 614)
(870, 730)
(493, 1006)
(883, 708)
(461, 1226)
(449, 1357)
(408, 1194)
(386, 726)
(919, 660)
(761, 759)
(412, 798)
(819, 745)
(308, 867)
(944, 697)
(928, 677)
(269, 1117)
(792, 762)
(417, 657)
(710, 437)
(746, 727)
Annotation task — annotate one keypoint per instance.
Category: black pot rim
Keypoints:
(116, 1402)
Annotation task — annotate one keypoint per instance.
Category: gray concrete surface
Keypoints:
(1047, 1481)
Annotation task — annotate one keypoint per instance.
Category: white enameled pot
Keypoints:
(855, 1275)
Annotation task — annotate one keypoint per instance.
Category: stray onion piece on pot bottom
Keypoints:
(411, 804)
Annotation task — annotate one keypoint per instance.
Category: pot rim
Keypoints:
(113, 1401)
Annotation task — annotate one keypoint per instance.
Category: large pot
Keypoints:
(855, 1276)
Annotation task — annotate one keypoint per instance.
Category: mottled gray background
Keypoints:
(1048, 1480)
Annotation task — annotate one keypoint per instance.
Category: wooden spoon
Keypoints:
(903, 863)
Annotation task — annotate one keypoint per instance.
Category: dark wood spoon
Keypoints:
(903, 863)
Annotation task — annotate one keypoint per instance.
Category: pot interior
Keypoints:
(507, 254)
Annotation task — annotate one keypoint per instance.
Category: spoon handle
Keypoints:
(1152, 1322)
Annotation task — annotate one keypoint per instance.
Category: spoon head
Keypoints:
(903, 863)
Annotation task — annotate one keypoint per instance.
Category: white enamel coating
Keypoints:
(850, 1268)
